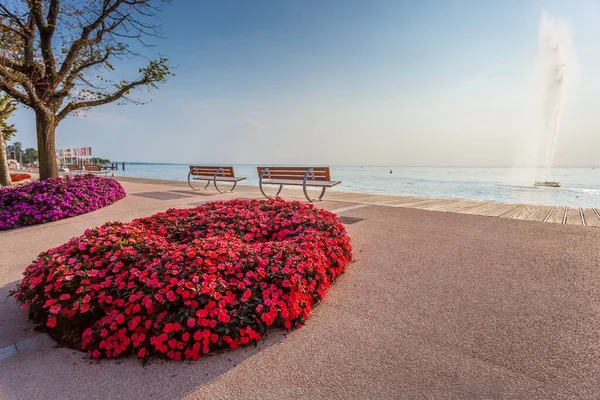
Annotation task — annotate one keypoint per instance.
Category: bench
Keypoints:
(75, 168)
(213, 174)
(86, 169)
(95, 169)
(296, 176)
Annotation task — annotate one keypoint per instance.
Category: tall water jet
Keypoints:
(552, 67)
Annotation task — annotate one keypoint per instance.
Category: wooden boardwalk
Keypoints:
(528, 212)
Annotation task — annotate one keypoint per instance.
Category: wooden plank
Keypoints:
(541, 214)
(526, 212)
(293, 173)
(557, 215)
(591, 219)
(281, 172)
(573, 216)
(468, 208)
(403, 200)
(485, 208)
(453, 207)
(292, 168)
(381, 201)
(460, 206)
(442, 205)
(419, 202)
(300, 183)
(198, 170)
(501, 210)
(511, 212)
(300, 179)
(219, 178)
(436, 204)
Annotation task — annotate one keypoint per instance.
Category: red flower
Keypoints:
(172, 284)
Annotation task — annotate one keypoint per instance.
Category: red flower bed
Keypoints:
(19, 177)
(185, 282)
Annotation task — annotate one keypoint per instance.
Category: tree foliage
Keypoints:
(30, 156)
(53, 50)
(7, 108)
(58, 58)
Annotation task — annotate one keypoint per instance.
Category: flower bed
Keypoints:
(15, 177)
(53, 199)
(185, 282)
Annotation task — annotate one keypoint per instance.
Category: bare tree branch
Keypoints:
(108, 99)
(52, 52)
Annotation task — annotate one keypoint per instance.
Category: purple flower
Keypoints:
(54, 199)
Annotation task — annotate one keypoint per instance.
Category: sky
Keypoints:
(352, 82)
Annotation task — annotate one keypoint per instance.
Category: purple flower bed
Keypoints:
(53, 199)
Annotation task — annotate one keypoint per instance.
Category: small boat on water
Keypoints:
(547, 183)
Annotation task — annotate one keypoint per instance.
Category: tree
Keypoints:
(14, 150)
(96, 160)
(7, 107)
(53, 53)
(30, 156)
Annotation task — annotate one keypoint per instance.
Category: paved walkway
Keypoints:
(437, 305)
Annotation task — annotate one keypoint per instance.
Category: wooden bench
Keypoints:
(213, 174)
(86, 169)
(75, 169)
(296, 176)
(95, 169)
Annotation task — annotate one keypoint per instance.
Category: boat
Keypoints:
(547, 183)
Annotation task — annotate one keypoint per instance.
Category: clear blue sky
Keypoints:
(349, 82)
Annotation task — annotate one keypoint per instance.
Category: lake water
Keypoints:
(580, 186)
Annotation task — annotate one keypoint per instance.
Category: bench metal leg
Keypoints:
(266, 195)
(315, 199)
(260, 184)
(190, 182)
(308, 173)
(223, 191)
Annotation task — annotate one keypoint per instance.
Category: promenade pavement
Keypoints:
(436, 305)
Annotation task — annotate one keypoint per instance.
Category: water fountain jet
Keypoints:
(553, 71)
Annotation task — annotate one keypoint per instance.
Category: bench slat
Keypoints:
(291, 173)
(295, 178)
(298, 174)
(300, 182)
(294, 168)
(219, 178)
(200, 170)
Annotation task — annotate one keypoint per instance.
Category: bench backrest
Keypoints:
(295, 173)
(93, 168)
(75, 167)
(210, 171)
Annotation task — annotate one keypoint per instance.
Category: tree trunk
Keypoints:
(45, 126)
(4, 174)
